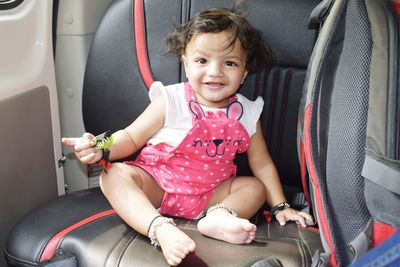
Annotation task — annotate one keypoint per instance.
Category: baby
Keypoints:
(190, 134)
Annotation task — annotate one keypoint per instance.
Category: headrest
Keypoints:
(114, 93)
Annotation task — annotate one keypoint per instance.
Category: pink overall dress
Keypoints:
(190, 172)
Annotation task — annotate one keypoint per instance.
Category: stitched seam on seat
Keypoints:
(306, 247)
(19, 260)
(285, 95)
(274, 89)
(132, 234)
(302, 252)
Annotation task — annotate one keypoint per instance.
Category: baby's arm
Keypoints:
(263, 168)
(126, 141)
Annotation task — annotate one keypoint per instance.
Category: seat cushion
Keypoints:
(83, 225)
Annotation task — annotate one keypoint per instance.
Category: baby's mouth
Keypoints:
(214, 85)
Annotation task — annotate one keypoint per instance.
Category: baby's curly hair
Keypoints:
(217, 20)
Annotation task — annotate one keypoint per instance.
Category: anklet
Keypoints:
(155, 218)
(221, 206)
(153, 229)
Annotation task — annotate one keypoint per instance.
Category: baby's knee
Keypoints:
(120, 174)
(112, 175)
(258, 188)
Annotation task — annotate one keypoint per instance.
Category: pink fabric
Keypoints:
(190, 172)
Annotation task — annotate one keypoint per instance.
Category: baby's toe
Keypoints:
(173, 259)
(191, 246)
(248, 226)
(249, 239)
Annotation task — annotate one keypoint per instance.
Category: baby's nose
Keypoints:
(214, 69)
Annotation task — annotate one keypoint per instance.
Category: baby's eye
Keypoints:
(201, 60)
(231, 64)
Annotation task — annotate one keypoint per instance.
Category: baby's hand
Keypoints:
(83, 148)
(302, 218)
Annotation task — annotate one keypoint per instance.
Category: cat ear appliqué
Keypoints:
(196, 109)
(235, 111)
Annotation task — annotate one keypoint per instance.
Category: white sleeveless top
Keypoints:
(178, 119)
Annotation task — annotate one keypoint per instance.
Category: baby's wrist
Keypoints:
(102, 143)
(278, 208)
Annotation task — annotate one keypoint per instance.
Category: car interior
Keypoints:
(316, 121)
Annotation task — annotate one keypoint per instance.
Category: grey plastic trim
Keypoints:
(362, 243)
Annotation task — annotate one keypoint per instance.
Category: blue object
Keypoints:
(386, 254)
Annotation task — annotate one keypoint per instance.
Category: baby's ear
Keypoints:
(235, 111)
(183, 60)
(196, 109)
(244, 76)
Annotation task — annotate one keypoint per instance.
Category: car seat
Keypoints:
(80, 228)
(349, 129)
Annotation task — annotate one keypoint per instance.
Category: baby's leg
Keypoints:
(245, 195)
(134, 194)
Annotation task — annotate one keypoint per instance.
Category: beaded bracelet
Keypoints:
(153, 229)
(281, 206)
(221, 206)
(152, 221)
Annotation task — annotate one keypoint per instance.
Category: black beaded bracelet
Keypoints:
(281, 206)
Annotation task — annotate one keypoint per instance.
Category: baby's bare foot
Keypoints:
(222, 225)
(174, 243)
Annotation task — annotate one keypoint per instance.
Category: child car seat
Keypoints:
(81, 228)
(349, 129)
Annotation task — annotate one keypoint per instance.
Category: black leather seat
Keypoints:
(82, 225)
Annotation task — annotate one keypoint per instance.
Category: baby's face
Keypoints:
(214, 70)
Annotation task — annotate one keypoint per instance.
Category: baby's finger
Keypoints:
(83, 144)
(300, 220)
(290, 215)
(280, 217)
(69, 141)
(309, 219)
(89, 158)
(304, 219)
(88, 136)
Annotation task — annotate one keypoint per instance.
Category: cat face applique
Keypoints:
(218, 134)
